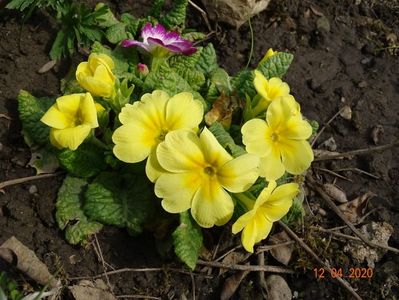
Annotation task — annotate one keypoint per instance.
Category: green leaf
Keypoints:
(157, 8)
(165, 78)
(184, 66)
(44, 160)
(243, 83)
(120, 200)
(107, 18)
(86, 161)
(116, 33)
(132, 24)
(176, 17)
(277, 65)
(69, 213)
(221, 80)
(31, 110)
(187, 240)
(226, 140)
(193, 36)
(207, 61)
(19, 4)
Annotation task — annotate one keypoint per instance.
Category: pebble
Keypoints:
(33, 189)
(329, 144)
(362, 84)
(323, 24)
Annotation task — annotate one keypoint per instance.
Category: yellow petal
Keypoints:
(97, 87)
(277, 88)
(132, 143)
(278, 113)
(279, 202)
(269, 53)
(214, 153)
(254, 137)
(257, 230)
(180, 152)
(177, 190)
(211, 205)
(261, 84)
(88, 111)
(56, 119)
(53, 140)
(263, 227)
(242, 221)
(296, 156)
(297, 129)
(98, 59)
(265, 194)
(70, 104)
(271, 166)
(83, 70)
(152, 168)
(177, 108)
(102, 74)
(71, 137)
(239, 174)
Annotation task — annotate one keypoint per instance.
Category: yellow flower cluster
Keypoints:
(189, 167)
(73, 117)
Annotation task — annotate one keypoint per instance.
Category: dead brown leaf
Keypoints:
(231, 284)
(354, 210)
(87, 290)
(316, 10)
(47, 66)
(282, 254)
(222, 111)
(28, 263)
(335, 192)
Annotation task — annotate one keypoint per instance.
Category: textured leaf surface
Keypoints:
(277, 65)
(187, 240)
(69, 213)
(86, 161)
(207, 61)
(121, 200)
(176, 17)
(31, 110)
(225, 139)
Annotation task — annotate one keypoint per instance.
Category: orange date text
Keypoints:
(351, 273)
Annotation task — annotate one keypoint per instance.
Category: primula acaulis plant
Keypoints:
(145, 132)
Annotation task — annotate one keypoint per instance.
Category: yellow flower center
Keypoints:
(274, 137)
(210, 171)
(162, 134)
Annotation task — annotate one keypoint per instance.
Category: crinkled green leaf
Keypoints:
(176, 17)
(187, 240)
(31, 110)
(132, 24)
(86, 161)
(225, 139)
(120, 200)
(116, 33)
(243, 83)
(277, 65)
(184, 65)
(44, 160)
(193, 36)
(208, 60)
(157, 8)
(107, 18)
(122, 57)
(221, 80)
(69, 213)
(165, 78)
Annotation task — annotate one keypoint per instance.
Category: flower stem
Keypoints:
(246, 200)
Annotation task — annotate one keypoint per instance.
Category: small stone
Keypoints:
(329, 144)
(323, 24)
(377, 133)
(277, 288)
(346, 112)
(33, 189)
(362, 84)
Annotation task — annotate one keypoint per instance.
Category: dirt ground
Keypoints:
(345, 54)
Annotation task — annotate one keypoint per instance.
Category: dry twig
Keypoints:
(203, 13)
(358, 151)
(26, 179)
(251, 268)
(314, 185)
(325, 126)
(138, 297)
(343, 282)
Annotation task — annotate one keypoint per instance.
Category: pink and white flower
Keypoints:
(157, 36)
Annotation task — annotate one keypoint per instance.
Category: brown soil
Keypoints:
(339, 61)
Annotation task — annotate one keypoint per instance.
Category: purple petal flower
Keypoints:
(157, 36)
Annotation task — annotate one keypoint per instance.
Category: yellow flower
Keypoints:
(96, 75)
(200, 171)
(269, 53)
(72, 118)
(146, 122)
(270, 89)
(272, 204)
(280, 141)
